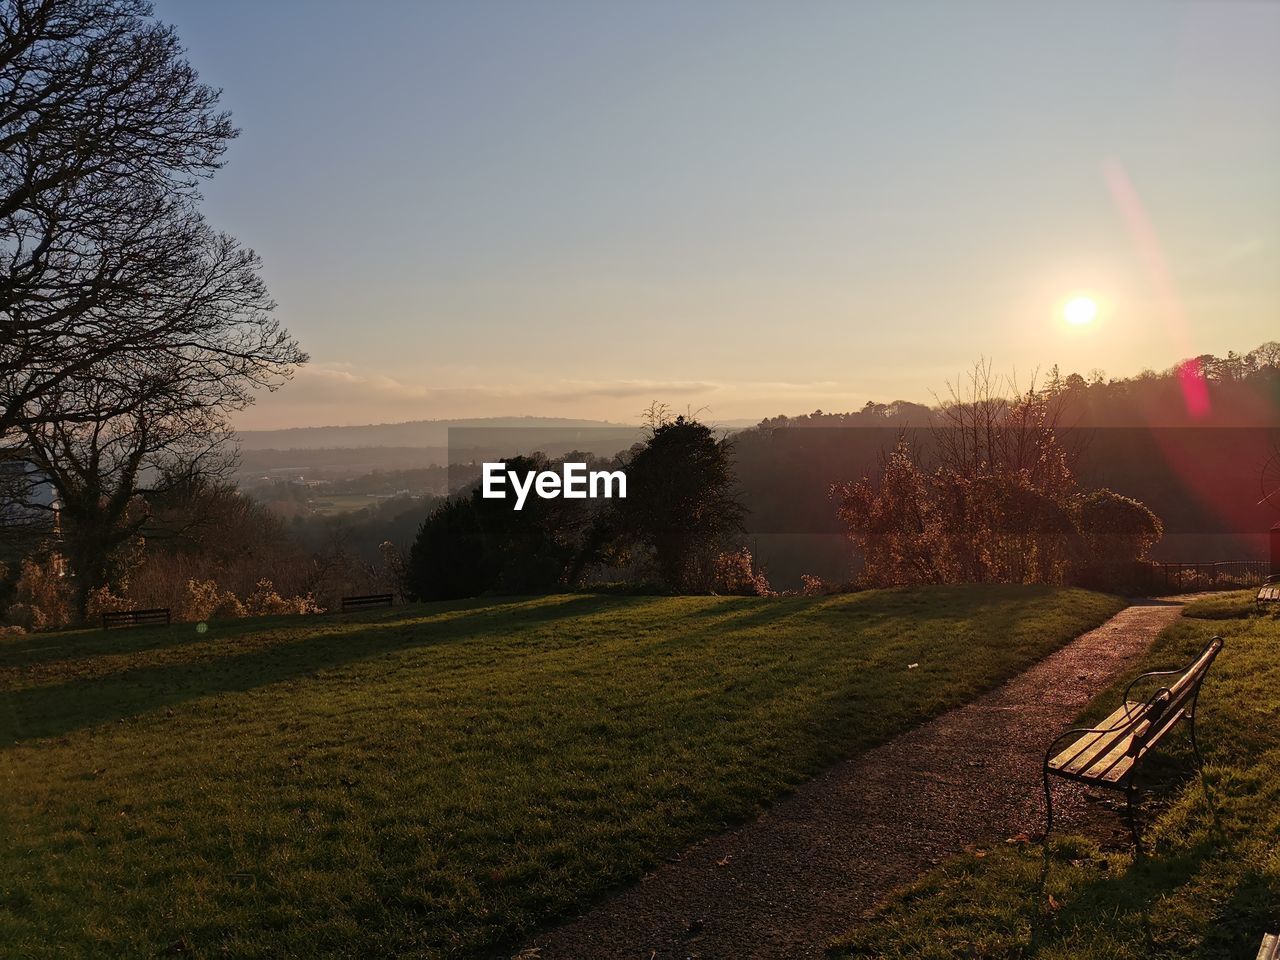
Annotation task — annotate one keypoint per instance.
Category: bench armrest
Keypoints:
(1153, 673)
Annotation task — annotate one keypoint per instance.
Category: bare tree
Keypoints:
(104, 470)
(105, 133)
(131, 329)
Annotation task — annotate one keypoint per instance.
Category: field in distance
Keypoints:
(444, 779)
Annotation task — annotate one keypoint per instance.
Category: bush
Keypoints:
(812, 586)
(735, 574)
(102, 600)
(1115, 533)
(43, 596)
(203, 600)
(265, 601)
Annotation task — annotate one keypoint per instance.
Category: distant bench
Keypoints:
(369, 600)
(1270, 592)
(158, 617)
(1110, 754)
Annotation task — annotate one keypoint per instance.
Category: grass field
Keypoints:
(1206, 891)
(442, 780)
(335, 504)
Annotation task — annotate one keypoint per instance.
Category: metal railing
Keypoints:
(1217, 575)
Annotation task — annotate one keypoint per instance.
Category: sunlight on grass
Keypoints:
(1207, 890)
(445, 778)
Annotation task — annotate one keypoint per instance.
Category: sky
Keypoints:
(565, 208)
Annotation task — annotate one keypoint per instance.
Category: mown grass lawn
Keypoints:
(1205, 891)
(442, 780)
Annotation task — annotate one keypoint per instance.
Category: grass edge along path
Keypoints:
(449, 778)
(784, 884)
(1205, 890)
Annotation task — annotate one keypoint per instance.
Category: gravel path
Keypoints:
(785, 884)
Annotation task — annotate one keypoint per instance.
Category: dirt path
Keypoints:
(785, 884)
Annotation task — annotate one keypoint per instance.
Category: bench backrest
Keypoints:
(156, 616)
(1170, 704)
(369, 600)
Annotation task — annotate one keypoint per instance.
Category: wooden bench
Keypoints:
(1270, 949)
(369, 600)
(1109, 754)
(157, 617)
(1270, 592)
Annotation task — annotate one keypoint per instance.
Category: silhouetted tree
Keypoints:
(449, 558)
(105, 132)
(131, 329)
(681, 505)
(470, 545)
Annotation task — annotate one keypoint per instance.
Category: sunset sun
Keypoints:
(1080, 311)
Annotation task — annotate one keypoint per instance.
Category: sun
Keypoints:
(1080, 311)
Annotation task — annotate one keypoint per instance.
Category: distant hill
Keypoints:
(419, 433)
(349, 451)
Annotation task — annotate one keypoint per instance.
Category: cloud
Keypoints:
(618, 389)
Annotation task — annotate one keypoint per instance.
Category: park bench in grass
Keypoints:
(1270, 949)
(369, 600)
(1110, 754)
(158, 617)
(1270, 592)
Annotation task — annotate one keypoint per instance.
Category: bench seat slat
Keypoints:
(1118, 773)
(1082, 752)
(1106, 754)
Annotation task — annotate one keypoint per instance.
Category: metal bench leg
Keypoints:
(1131, 812)
(1048, 804)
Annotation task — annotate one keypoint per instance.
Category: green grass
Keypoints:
(336, 504)
(1236, 605)
(1206, 890)
(444, 779)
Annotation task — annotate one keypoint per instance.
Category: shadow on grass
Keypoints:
(322, 643)
(57, 709)
(1239, 922)
(1126, 895)
(44, 648)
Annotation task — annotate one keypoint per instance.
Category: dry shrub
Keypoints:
(228, 607)
(43, 598)
(813, 586)
(204, 600)
(12, 631)
(736, 574)
(103, 601)
(265, 601)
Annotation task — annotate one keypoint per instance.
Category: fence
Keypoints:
(1221, 575)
